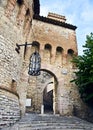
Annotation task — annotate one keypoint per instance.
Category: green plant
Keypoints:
(84, 73)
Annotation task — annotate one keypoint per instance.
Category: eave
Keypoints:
(54, 22)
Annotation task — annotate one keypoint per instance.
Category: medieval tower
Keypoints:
(55, 41)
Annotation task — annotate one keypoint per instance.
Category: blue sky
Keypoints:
(77, 12)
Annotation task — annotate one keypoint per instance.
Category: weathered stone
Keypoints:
(56, 43)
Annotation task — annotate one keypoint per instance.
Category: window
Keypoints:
(59, 50)
(70, 52)
(20, 2)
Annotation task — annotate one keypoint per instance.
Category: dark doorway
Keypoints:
(48, 101)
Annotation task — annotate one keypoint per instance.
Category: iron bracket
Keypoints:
(25, 46)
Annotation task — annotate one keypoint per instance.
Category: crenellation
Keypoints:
(56, 17)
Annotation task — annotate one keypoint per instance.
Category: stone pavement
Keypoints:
(50, 122)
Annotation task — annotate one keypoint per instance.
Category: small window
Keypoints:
(36, 46)
(47, 53)
(27, 12)
(70, 55)
(59, 50)
(70, 52)
(20, 2)
(47, 47)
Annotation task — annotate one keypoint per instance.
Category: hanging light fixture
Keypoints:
(35, 64)
(35, 60)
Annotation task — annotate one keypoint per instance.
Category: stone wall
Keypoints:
(54, 45)
(15, 18)
(13, 25)
(9, 108)
(55, 35)
(9, 65)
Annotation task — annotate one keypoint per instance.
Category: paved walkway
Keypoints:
(50, 122)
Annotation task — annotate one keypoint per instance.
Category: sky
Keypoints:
(77, 12)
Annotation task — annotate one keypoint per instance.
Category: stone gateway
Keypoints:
(55, 41)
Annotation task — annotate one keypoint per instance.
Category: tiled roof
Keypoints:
(55, 22)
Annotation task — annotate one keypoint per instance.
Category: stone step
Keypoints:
(53, 119)
(44, 126)
(57, 123)
(52, 126)
(50, 122)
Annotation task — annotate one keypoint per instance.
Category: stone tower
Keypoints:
(15, 25)
(55, 40)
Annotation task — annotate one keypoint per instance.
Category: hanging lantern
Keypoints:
(35, 64)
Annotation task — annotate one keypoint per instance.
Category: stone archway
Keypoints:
(49, 97)
(36, 92)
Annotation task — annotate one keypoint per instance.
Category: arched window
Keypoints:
(48, 47)
(35, 64)
(70, 52)
(59, 51)
(20, 2)
(47, 52)
(35, 46)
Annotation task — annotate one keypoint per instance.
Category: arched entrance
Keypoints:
(42, 91)
(49, 96)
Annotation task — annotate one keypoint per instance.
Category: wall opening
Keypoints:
(27, 12)
(35, 46)
(42, 90)
(20, 2)
(48, 101)
(59, 52)
(70, 55)
(70, 52)
(47, 53)
(13, 85)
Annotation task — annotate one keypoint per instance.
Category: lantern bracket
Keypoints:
(25, 46)
(35, 60)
